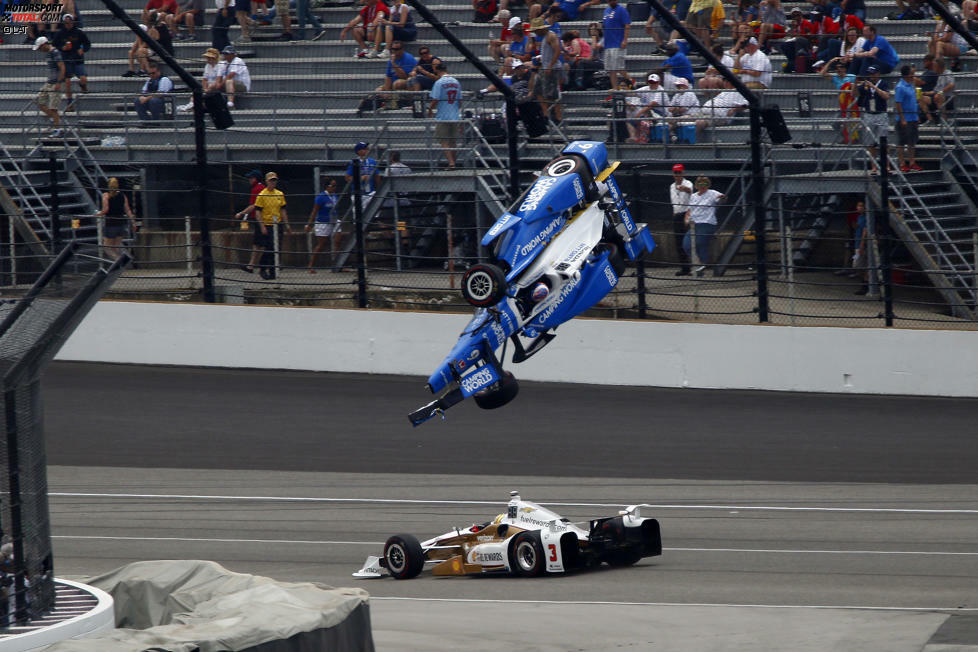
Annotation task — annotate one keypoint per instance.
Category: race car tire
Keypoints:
(509, 387)
(526, 555)
(614, 256)
(484, 285)
(404, 556)
(620, 558)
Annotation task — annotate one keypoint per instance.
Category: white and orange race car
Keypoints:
(527, 541)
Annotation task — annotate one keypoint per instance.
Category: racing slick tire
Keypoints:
(509, 387)
(526, 555)
(404, 556)
(484, 285)
(614, 256)
(620, 558)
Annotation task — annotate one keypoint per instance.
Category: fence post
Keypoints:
(883, 234)
(637, 211)
(55, 205)
(358, 219)
(188, 245)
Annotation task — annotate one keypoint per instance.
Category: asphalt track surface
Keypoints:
(790, 521)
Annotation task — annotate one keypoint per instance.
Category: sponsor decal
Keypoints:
(497, 330)
(537, 193)
(583, 146)
(501, 223)
(488, 557)
(577, 253)
(541, 237)
(474, 355)
(535, 522)
(15, 17)
(578, 188)
(530, 332)
(610, 275)
(557, 526)
(477, 380)
(549, 310)
(460, 364)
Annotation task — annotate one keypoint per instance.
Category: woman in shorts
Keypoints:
(115, 211)
(325, 221)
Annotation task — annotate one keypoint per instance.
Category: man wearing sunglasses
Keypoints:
(423, 76)
(398, 72)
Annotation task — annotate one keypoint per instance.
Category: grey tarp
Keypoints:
(181, 606)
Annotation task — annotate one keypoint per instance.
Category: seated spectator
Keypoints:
(945, 42)
(773, 23)
(187, 15)
(595, 35)
(399, 68)
(648, 103)
(159, 32)
(577, 54)
(521, 46)
(162, 7)
(423, 76)
(571, 9)
(712, 78)
(746, 14)
(233, 75)
(485, 10)
(497, 46)
(938, 89)
(720, 109)
(855, 8)
(754, 67)
(682, 104)
(398, 26)
(969, 16)
(800, 38)
(742, 34)
(364, 25)
(149, 104)
(842, 49)
(876, 52)
(677, 63)
(137, 52)
(208, 80)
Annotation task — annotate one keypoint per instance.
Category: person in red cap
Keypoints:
(679, 193)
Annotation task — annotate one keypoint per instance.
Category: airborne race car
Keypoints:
(557, 252)
(527, 541)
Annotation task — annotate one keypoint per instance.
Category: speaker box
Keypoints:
(773, 121)
(217, 106)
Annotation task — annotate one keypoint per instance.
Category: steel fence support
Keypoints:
(638, 210)
(883, 233)
(358, 220)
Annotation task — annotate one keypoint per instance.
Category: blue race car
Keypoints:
(558, 251)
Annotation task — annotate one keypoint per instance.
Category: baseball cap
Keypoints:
(871, 69)
(270, 176)
(653, 77)
(681, 81)
(516, 64)
(41, 40)
(361, 145)
(796, 10)
(678, 167)
(211, 52)
(514, 21)
(229, 49)
(752, 41)
(67, 17)
(254, 174)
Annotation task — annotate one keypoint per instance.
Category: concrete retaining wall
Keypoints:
(872, 361)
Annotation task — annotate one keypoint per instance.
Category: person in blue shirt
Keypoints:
(905, 102)
(877, 52)
(677, 63)
(615, 23)
(326, 221)
(369, 176)
(446, 96)
(521, 46)
(573, 8)
(399, 69)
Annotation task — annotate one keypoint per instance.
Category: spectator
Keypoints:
(712, 78)
(800, 39)
(595, 34)
(256, 187)
(159, 32)
(327, 221)
(552, 16)
(37, 30)
(677, 65)
(905, 102)
(223, 20)
(547, 84)
(680, 191)
(753, 66)
(872, 94)
(651, 101)
(679, 7)
(242, 9)
(835, 71)
(698, 20)
(720, 109)
(572, 8)
(577, 53)
(285, 14)
(718, 18)
(369, 174)
(829, 45)
(658, 30)
(876, 52)
(397, 26)
(49, 98)
(115, 211)
(423, 76)
(497, 46)
(938, 95)
(399, 67)
(137, 52)
(855, 8)
(149, 104)
(233, 75)
(702, 215)
(363, 26)
(773, 23)
(209, 80)
(161, 7)
(271, 217)
(746, 13)
(945, 42)
(841, 49)
(521, 46)
(484, 10)
(73, 43)
(446, 95)
(616, 23)
(303, 15)
(684, 101)
(188, 12)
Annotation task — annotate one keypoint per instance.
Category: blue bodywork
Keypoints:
(516, 239)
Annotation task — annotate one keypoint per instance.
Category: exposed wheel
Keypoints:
(623, 557)
(506, 391)
(565, 165)
(404, 556)
(484, 285)
(614, 256)
(526, 555)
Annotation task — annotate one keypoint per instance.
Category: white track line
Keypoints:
(405, 501)
(381, 543)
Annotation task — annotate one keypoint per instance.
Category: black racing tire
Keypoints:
(506, 391)
(563, 165)
(404, 556)
(484, 285)
(614, 256)
(526, 555)
(621, 558)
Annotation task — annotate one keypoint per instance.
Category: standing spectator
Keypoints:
(773, 22)
(398, 26)
(242, 9)
(677, 65)
(233, 75)
(876, 52)
(616, 23)
(285, 14)
(872, 94)
(423, 76)
(369, 173)
(73, 43)
(399, 67)
(753, 66)
(363, 26)
(162, 7)
(37, 30)
(446, 96)
(860, 238)
(271, 216)
(934, 97)
(187, 15)
(223, 20)
(547, 84)
(698, 20)
(905, 102)
(256, 187)
(679, 192)
(658, 30)
(149, 104)
(49, 97)
(703, 214)
(326, 222)
(304, 15)
(208, 80)
(117, 215)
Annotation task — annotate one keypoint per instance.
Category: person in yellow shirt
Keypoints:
(270, 214)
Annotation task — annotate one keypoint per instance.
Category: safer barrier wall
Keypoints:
(871, 361)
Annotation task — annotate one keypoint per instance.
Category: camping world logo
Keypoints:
(16, 16)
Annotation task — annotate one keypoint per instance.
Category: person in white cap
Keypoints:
(497, 45)
(50, 96)
(652, 98)
(683, 101)
(753, 66)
